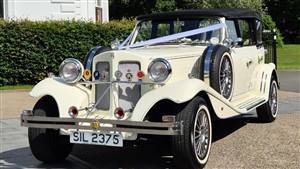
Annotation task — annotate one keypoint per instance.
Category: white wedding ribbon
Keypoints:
(172, 37)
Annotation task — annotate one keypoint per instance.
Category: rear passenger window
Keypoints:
(245, 32)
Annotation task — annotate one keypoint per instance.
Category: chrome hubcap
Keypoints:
(273, 99)
(225, 80)
(201, 134)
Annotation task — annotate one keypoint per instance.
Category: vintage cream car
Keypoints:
(174, 74)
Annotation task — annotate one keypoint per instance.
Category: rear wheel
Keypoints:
(48, 145)
(268, 111)
(192, 149)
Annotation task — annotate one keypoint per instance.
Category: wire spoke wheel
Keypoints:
(273, 102)
(268, 111)
(201, 134)
(191, 150)
(225, 77)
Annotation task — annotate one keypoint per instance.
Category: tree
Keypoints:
(133, 8)
(250, 4)
(165, 5)
(130, 8)
(286, 13)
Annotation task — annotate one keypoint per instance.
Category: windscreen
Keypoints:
(151, 29)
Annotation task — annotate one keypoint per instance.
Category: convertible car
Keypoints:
(174, 74)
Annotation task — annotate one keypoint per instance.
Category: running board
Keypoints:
(250, 104)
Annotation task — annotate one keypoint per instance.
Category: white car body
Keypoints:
(115, 83)
(179, 56)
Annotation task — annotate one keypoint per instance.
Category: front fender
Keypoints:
(178, 92)
(65, 95)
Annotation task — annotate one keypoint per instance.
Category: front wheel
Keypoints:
(48, 145)
(191, 150)
(268, 111)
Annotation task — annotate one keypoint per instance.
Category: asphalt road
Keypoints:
(289, 81)
(237, 143)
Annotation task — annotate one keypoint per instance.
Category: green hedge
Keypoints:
(29, 50)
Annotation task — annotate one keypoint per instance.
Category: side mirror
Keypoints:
(114, 44)
(228, 42)
(237, 42)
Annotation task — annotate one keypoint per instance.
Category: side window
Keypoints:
(246, 33)
(231, 30)
(163, 30)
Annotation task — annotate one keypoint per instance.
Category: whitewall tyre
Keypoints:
(192, 149)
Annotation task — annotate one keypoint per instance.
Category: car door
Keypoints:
(244, 54)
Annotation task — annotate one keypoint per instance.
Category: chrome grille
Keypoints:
(103, 69)
(129, 94)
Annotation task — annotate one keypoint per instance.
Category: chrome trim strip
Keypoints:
(116, 81)
(255, 105)
(207, 61)
(152, 128)
(262, 80)
(265, 84)
(252, 104)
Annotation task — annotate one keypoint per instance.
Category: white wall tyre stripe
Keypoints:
(202, 109)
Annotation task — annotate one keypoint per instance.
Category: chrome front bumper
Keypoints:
(151, 128)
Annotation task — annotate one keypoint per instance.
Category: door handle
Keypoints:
(249, 63)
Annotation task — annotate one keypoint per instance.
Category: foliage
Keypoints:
(269, 24)
(29, 50)
(146, 7)
(249, 4)
(130, 8)
(133, 8)
(286, 13)
(165, 5)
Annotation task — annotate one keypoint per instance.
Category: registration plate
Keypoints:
(97, 138)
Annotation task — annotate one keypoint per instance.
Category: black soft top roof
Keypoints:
(227, 13)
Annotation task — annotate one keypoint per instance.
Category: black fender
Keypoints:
(88, 61)
(210, 63)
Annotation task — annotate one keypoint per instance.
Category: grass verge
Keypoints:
(16, 87)
(288, 57)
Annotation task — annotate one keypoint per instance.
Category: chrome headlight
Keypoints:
(159, 70)
(71, 70)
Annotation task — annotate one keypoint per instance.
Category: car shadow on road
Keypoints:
(154, 155)
(22, 158)
(223, 128)
(148, 156)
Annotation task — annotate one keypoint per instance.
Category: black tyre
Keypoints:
(220, 69)
(221, 74)
(192, 149)
(268, 112)
(48, 145)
